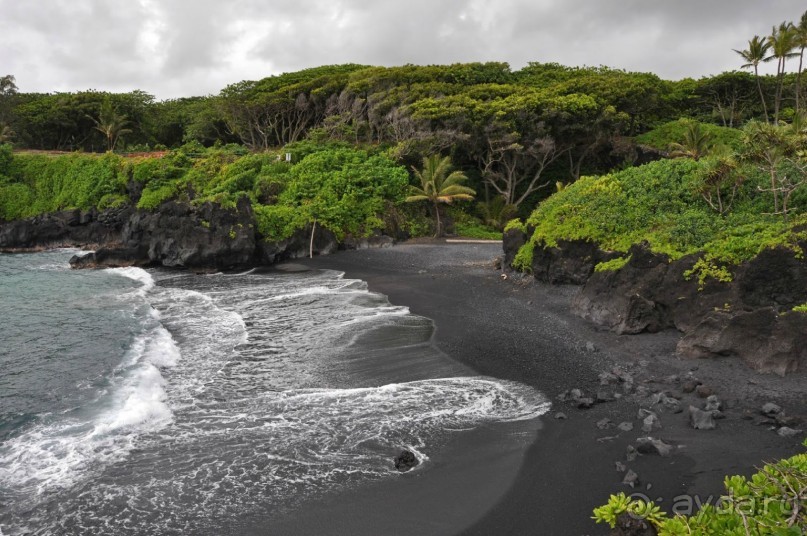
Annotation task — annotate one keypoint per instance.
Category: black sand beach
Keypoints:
(525, 332)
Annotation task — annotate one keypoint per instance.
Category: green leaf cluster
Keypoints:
(769, 503)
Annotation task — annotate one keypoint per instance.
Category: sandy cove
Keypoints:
(525, 332)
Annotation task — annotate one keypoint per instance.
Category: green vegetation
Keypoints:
(476, 230)
(771, 502)
(342, 189)
(35, 184)
(676, 132)
(612, 265)
(516, 137)
(439, 184)
(729, 208)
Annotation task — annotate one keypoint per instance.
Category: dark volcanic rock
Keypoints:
(631, 478)
(62, 229)
(623, 300)
(109, 258)
(370, 242)
(785, 431)
(180, 235)
(572, 261)
(405, 461)
(629, 525)
(701, 420)
(766, 340)
(512, 240)
(649, 445)
(749, 317)
(769, 408)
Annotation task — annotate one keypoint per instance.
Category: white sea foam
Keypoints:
(140, 404)
(138, 274)
(161, 349)
(251, 411)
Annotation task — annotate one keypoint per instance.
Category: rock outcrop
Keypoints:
(749, 317)
(570, 262)
(68, 228)
(179, 235)
(296, 246)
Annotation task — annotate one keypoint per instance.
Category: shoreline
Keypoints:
(528, 334)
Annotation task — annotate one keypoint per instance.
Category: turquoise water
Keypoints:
(63, 334)
(159, 402)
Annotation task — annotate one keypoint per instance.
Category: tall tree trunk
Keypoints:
(798, 81)
(311, 244)
(780, 74)
(439, 231)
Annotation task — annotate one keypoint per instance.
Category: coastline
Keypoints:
(527, 334)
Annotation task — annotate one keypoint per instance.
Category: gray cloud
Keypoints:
(177, 48)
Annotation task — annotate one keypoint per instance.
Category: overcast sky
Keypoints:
(174, 48)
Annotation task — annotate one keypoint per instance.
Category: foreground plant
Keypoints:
(772, 502)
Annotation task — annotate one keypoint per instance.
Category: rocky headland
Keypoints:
(750, 317)
(176, 235)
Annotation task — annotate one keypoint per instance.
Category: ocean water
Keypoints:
(160, 402)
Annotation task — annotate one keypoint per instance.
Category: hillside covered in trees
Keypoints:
(517, 136)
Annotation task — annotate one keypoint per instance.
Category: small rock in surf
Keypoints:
(406, 461)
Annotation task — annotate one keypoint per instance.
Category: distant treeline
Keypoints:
(475, 107)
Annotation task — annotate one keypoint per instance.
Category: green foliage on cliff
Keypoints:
(35, 184)
(612, 265)
(770, 502)
(343, 189)
(655, 202)
(726, 208)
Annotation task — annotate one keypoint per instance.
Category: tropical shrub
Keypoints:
(771, 502)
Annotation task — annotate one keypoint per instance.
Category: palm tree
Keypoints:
(696, 143)
(782, 41)
(111, 124)
(801, 42)
(438, 184)
(755, 54)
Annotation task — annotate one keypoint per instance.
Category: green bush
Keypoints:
(612, 265)
(345, 190)
(673, 132)
(155, 194)
(771, 502)
(477, 230)
(277, 222)
(5, 159)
